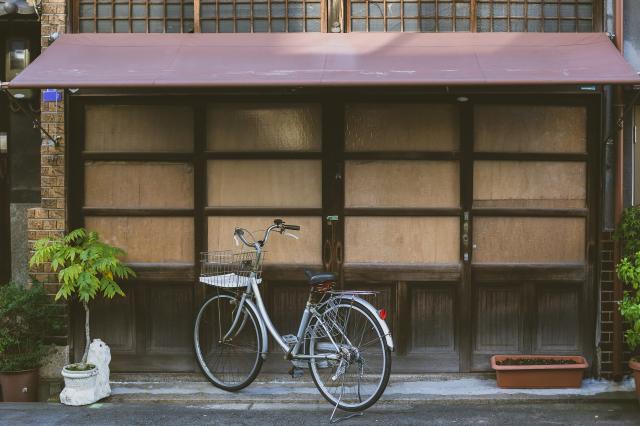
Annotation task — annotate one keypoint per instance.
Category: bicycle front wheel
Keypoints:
(359, 376)
(227, 348)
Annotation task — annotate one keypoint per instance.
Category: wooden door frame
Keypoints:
(333, 102)
(587, 278)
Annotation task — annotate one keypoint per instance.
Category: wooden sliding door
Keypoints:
(474, 221)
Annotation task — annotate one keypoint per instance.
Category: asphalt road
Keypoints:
(433, 413)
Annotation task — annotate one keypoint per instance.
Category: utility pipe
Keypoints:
(618, 110)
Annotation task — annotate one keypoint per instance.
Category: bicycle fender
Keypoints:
(264, 350)
(369, 307)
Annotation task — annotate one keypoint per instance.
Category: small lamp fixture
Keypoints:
(462, 99)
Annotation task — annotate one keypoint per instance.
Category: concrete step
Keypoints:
(194, 389)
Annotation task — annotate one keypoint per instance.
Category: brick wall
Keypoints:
(607, 307)
(50, 218)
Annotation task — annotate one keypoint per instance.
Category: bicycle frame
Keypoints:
(308, 313)
(292, 352)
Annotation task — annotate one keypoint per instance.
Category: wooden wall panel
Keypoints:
(138, 185)
(402, 240)
(264, 127)
(530, 128)
(401, 127)
(169, 319)
(279, 249)
(558, 320)
(534, 184)
(265, 183)
(113, 321)
(498, 320)
(528, 240)
(148, 239)
(138, 128)
(285, 303)
(402, 184)
(432, 319)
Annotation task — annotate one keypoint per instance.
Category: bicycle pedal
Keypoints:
(296, 372)
(300, 364)
(290, 339)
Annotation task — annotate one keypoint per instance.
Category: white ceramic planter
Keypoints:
(87, 387)
(79, 386)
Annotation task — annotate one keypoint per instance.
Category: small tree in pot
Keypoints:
(27, 317)
(628, 271)
(85, 267)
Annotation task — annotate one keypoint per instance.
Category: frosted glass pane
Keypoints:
(528, 240)
(280, 249)
(402, 240)
(138, 128)
(265, 183)
(401, 127)
(138, 185)
(529, 128)
(541, 184)
(402, 184)
(264, 127)
(148, 239)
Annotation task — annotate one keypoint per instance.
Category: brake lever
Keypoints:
(289, 234)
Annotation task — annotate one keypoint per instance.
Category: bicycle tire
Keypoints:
(220, 379)
(320, 379)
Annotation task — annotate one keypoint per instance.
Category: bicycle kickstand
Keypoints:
(333, 419)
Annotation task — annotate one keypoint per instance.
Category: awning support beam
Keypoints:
(35, 120)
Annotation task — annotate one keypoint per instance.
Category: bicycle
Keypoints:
(342, 339)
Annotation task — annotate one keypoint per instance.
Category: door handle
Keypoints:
(466, 254)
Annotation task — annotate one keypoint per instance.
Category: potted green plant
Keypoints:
(628, 271)
(27, 317)
(85, 267)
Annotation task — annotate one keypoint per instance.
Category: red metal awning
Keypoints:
(317, 59)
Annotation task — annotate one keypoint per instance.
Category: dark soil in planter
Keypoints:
(535, 361)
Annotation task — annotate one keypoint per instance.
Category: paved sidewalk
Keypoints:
(614, 413)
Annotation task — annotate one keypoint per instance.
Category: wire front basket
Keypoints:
(230, 269)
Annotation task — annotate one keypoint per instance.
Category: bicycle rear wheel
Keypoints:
(231, 359)
(359, 377)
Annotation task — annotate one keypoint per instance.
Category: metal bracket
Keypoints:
(4, 88)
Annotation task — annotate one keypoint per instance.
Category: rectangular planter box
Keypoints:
(539, 376)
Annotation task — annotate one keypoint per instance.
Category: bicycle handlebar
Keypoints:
(278, 225)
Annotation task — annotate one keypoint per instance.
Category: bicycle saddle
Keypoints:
(319, 277)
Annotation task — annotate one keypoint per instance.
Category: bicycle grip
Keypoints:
(292, 227)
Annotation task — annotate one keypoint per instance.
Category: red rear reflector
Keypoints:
(383, 314)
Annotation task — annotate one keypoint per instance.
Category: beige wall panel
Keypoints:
(402, 240)
(138, 128)
(401, 127)
(265, 183)
(264, 127)
(528, 240)
(280, 249)
(529, 128)
(402, 184)
(537, 184)
(138, 185)
(148, 239)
